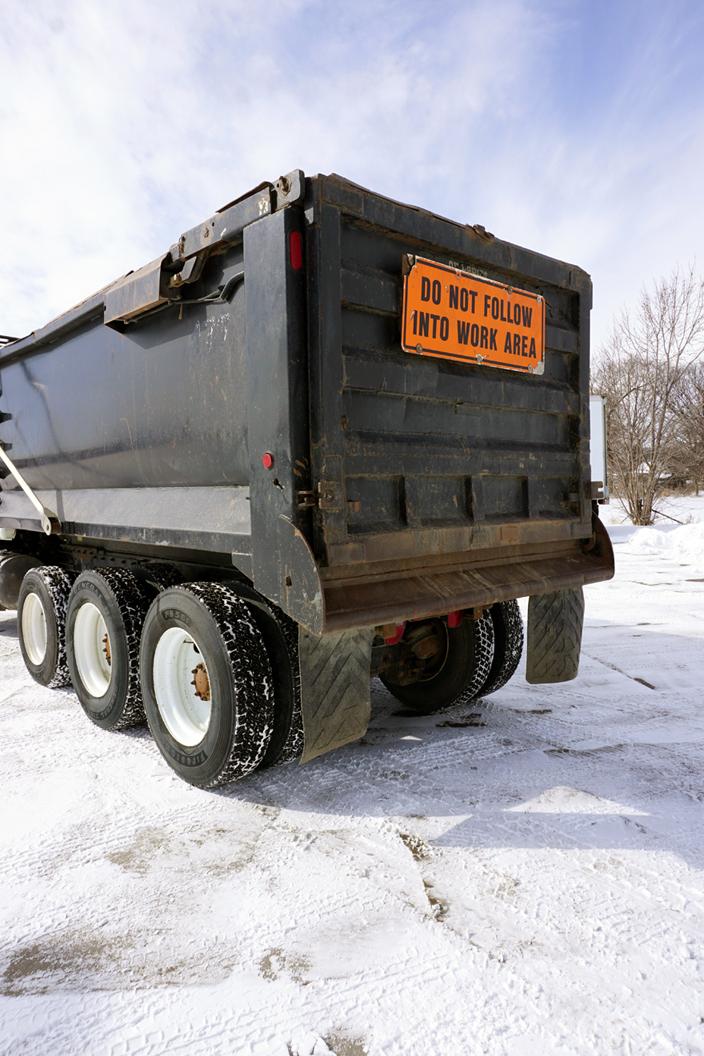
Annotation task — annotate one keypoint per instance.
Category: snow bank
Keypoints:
(684, 542)
(678, 542)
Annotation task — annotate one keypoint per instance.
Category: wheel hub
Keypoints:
(201, 682)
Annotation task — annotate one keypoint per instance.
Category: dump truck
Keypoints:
(325, 437)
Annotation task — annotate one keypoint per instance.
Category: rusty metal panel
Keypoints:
(400, 594)
(434, 456)
(140, 291)
(375, 604)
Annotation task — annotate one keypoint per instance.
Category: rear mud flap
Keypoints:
(554, 636)
(335, 674)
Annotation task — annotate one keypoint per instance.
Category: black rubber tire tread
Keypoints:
(555, 624)
(124, 600)
(280, 635)
(508, 645)
(237, 740)
(335, 690)
(286, 741)
(461, 679)
(52, 585)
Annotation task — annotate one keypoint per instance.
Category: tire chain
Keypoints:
(58, 584)
(483, 640)
(133, 597)
(251, 675)
(293, 745)
(513, 646)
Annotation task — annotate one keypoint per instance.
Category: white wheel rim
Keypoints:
(92, 649)
(182, 686)
(34, 634)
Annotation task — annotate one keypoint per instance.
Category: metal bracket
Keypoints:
(328, 496)
(45, 515)
(325, 496)
(163, 281)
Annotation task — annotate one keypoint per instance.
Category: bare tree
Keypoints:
(688, 457)
(640, 372)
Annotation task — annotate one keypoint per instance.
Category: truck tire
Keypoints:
(464, 670)
(508, 645)
(106, 610)
(280, 636)
(207, 683)
(41, 622)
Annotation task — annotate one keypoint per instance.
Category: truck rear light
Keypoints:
(454, 619)
(295, 248)
(394, 634)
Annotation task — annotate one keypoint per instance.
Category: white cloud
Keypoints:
(122, 124)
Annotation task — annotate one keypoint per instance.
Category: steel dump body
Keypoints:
(401, 485)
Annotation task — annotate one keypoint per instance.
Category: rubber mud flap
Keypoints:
(554, 636)
(335, 674)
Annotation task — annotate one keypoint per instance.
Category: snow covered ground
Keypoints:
(522, 876)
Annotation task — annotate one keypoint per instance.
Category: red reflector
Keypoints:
(295, 248)
(396, 637)
(454, 619)
(267, 460)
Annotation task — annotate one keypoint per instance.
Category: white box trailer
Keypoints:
(597, 447)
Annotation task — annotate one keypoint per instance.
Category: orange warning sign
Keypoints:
(452, 314)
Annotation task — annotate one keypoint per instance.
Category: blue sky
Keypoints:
(574, 128)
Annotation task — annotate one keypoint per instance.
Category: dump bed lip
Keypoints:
(284, 192)
(574, 277)
(86, 310)
(477, 582)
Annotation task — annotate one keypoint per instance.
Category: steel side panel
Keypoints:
(215, 519)
(161, 405)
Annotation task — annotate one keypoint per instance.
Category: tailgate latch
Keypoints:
(325, 496)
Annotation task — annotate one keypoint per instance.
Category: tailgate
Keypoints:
(427, 464)
(421, 454)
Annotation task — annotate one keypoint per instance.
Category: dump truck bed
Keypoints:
(251, 396)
